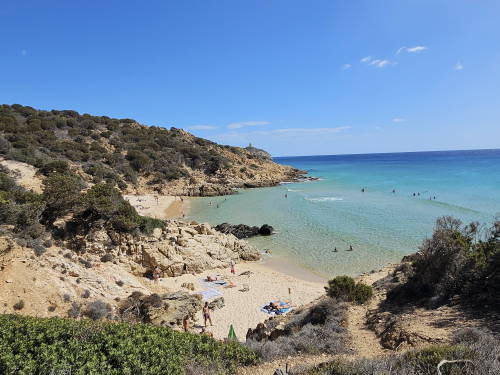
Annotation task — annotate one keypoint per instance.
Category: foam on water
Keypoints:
(382, 226)
(324, 199)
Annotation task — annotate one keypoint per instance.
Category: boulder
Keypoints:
(266, 230)
(165, 310)
(241, 231)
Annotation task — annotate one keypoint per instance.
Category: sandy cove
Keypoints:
(242, 309)
(159, 206)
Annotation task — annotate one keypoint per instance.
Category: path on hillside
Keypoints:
(365, 342)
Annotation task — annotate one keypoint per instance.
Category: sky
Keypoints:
(294, 77)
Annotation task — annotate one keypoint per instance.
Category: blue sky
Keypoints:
(293, 77)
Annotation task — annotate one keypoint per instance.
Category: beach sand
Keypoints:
(242, 309)
(166, 207)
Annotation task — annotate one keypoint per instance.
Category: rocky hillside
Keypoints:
(103, 272)
(135, 157)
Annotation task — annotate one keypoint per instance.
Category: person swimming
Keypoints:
(335, 250)
(363, 190)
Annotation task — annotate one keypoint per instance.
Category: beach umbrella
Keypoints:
(232, 335)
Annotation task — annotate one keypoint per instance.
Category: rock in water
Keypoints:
(244, 231)
(266, 230)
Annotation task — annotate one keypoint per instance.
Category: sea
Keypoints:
(383, 205)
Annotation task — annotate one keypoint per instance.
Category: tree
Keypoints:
(61, 193)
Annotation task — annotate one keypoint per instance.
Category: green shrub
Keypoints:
(457, 260)
(149, 223)
(55, 166)
(61, 192)
(48, 345)
(345, 288)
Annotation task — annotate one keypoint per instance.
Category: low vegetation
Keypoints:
(344, 288)
(30, 345)
(476, 351)
(118, 151)
(65, 193)
(315, 330)
(458, 260)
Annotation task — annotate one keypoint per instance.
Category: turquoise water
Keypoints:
(382, 226)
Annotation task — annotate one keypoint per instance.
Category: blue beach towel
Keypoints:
(281, 311)
(209, 294)
(211, 284)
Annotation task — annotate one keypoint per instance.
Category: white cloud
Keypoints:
(346, 66)
(291, 132)
(202, 127)
(239, 125)
(416, 49)
(398, 119)
(380, 63)
(458, 66)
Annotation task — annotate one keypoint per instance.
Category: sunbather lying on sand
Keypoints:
(278, 305)
(230, 284)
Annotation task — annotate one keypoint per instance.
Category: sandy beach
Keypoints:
(242, 308)
(262, 281)
(159, 206)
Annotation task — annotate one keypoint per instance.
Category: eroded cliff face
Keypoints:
(110, 267)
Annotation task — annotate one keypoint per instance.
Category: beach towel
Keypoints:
(211, 284)
(209, 294)
(281, 311)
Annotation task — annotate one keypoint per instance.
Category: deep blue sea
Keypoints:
(381, 225)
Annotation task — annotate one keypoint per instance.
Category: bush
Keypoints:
(317, 330)
(98, 310)
(457, 260)
(61, 193)
(56, 166)
(108, 257)
(346, 289)
(84, 346)
(19, 305)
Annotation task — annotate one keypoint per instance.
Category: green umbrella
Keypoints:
(232, 335)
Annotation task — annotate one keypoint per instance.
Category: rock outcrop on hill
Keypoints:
(177, 248)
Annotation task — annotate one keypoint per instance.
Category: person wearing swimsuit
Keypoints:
(206, 314)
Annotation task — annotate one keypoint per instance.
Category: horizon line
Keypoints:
(390, 152)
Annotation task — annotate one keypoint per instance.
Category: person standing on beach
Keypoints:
(185, 323)
(206, 314)
(350, 247)
(233, 271)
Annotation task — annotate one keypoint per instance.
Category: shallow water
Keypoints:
(382, 226)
